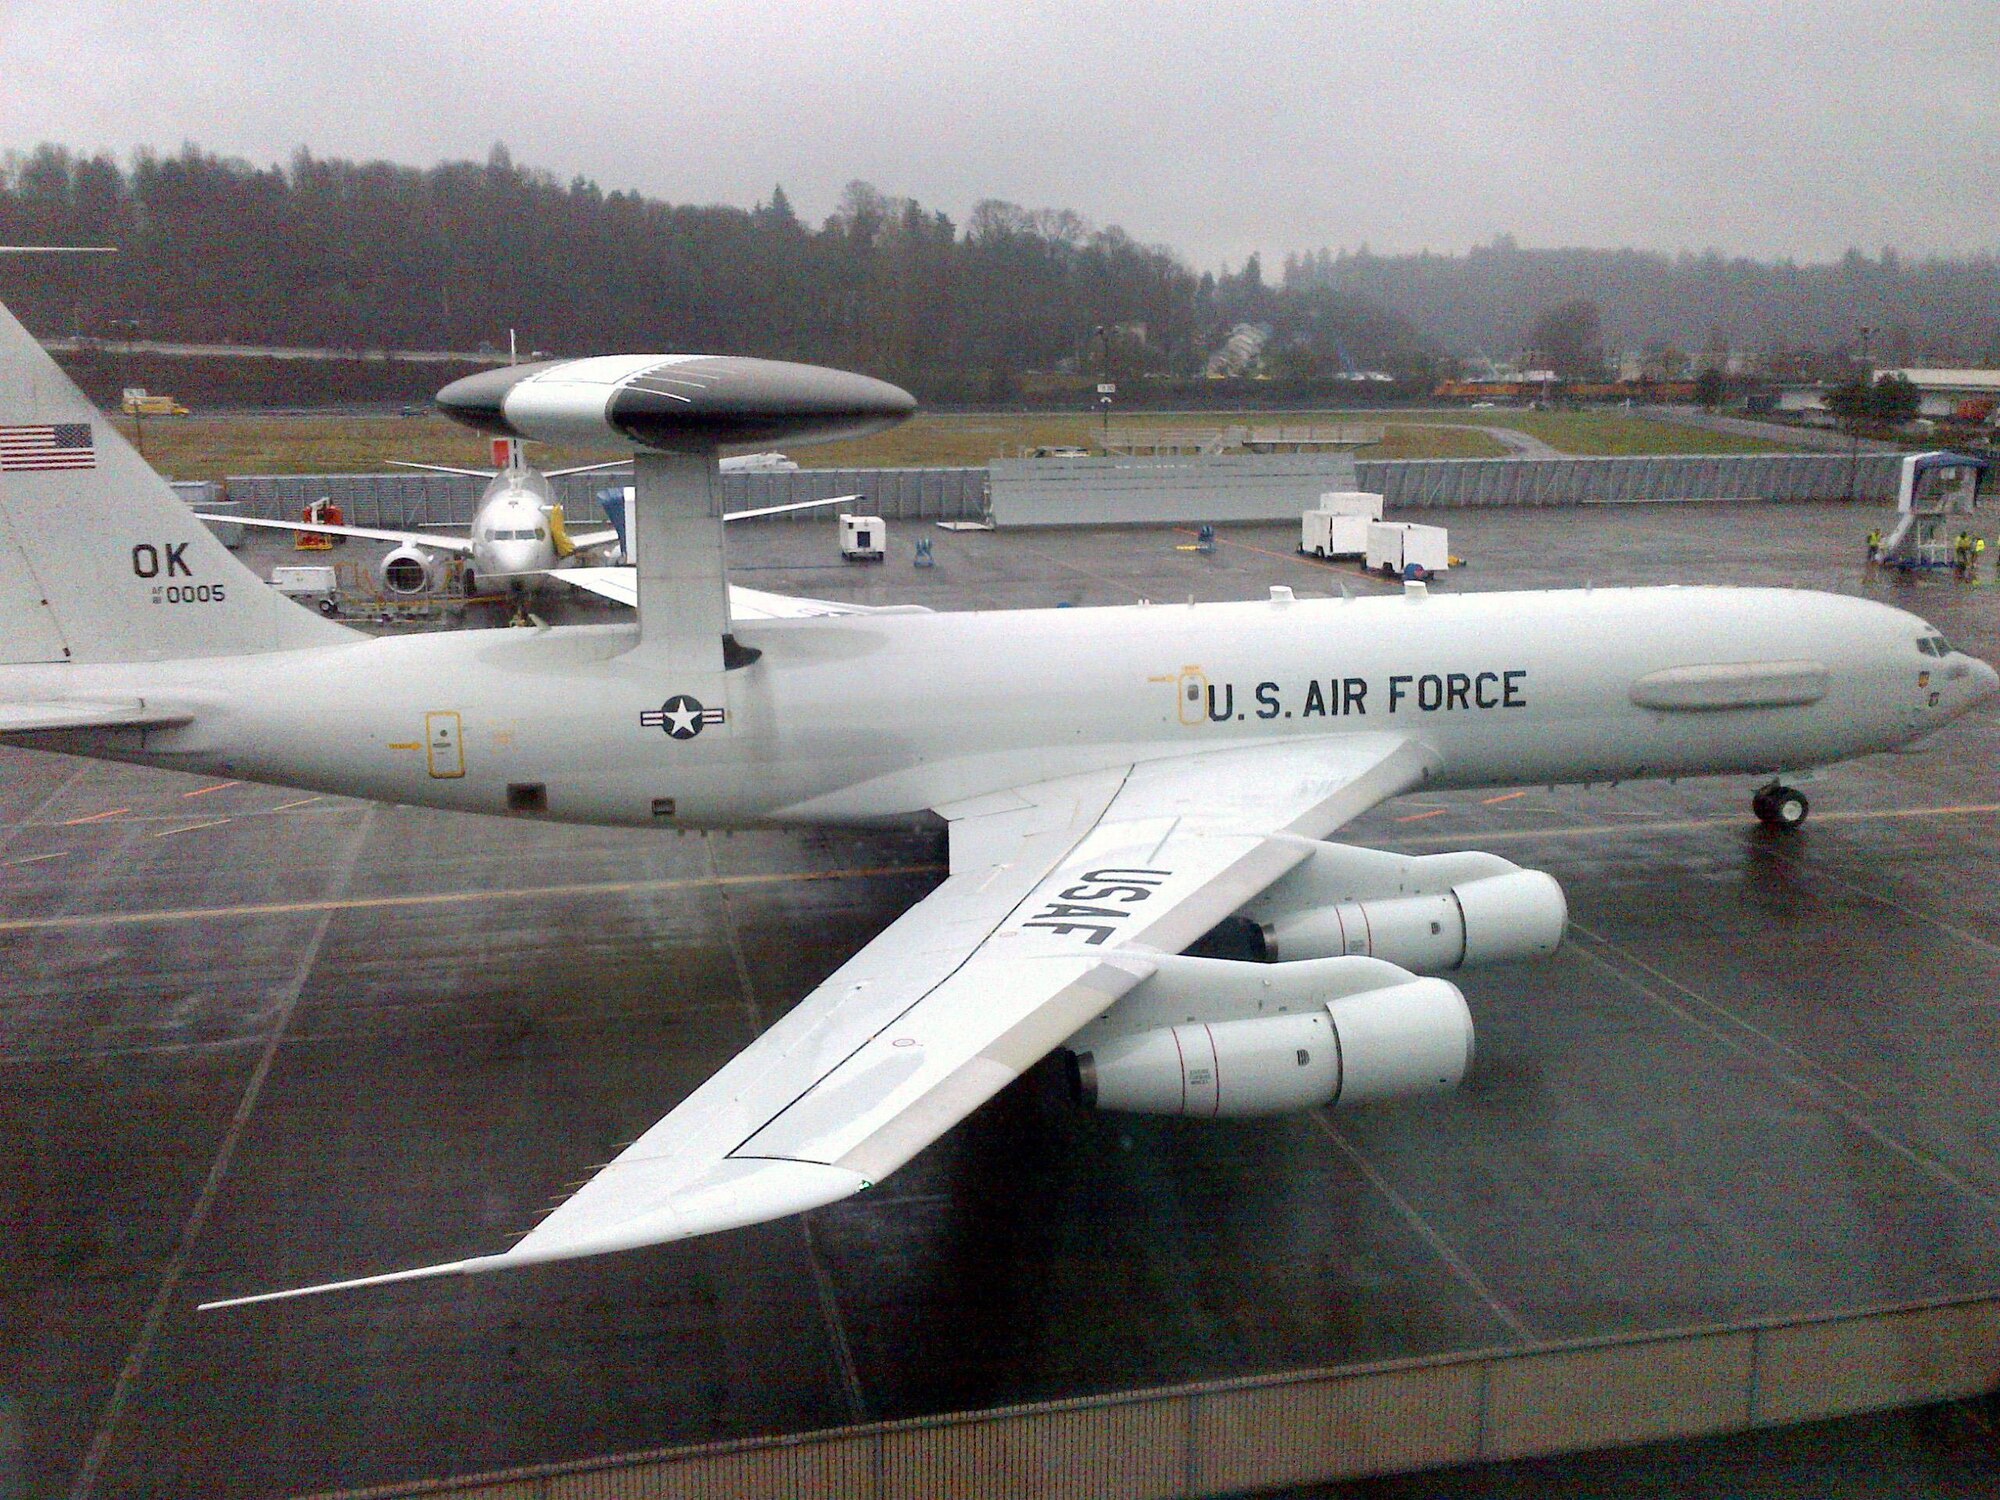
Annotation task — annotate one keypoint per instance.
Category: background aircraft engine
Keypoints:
(1413, 1038)
(407, 570)
(1517, 915)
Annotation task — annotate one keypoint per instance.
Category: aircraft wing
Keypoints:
(622, 585)
(72, 714)
(1062, 895)
(410, 538)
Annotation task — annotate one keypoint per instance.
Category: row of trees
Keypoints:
(369, 255)
(1483, 302)
(375, 256)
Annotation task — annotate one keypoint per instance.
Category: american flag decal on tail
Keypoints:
(59, 445)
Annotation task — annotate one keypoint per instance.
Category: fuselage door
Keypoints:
(444, 748)
(1191, 695)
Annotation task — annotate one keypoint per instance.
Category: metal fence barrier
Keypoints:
(1324, 1426)
(1413, 483)
(401, 501)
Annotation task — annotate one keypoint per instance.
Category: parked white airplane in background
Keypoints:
(519, 540)
(1115, 782)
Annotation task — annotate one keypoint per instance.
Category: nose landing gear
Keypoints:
(1780, 806)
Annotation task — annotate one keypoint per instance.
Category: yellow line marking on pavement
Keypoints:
(455, 898)
(1503, 797)
(33, 859)
(93, 818)
(203, 791)
(1304, 559)
(1690, 825)
(212, 823)
(1436, 812)
(168, 817)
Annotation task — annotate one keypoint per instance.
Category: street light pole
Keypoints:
(1104, 385)
(1864, 381)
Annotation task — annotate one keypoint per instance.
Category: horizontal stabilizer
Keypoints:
(621, 585)
(26, 718)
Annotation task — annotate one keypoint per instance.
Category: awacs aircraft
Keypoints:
(1114, 782)
(519, 540)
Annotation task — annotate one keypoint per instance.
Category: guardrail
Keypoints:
(1323, 1426)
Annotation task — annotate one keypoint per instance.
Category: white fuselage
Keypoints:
(512, 545)
(878, 719)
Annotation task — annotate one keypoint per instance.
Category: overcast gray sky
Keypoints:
(1774, 128)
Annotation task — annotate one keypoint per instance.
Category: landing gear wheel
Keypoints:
(1780, 806)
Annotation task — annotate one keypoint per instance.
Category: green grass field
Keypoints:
(202, 447)
(1591, 434)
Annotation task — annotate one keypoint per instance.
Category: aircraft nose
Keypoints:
(1985, 682)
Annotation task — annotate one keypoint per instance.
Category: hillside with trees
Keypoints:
(370, 256)
(1014, 303)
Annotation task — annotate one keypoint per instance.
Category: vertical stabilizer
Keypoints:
(99, 560)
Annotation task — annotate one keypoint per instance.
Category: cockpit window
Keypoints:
(1934, 644)
(1926, 645)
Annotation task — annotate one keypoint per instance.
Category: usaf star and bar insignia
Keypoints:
(682, 717)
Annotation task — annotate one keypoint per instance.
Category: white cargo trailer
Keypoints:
(1352, 503)
(1339, 526)
(862, 538)
(1326, 533)
(1394, 547)
(311, 584)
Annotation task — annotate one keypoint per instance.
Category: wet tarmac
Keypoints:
(253, 1038)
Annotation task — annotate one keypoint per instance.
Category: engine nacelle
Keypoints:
(1402, 1039)
(406, 571)
(1520, 914)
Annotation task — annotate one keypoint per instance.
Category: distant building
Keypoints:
(1942, 392)
(1240, 353)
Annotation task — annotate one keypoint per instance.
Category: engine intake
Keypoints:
(406, 571)
(1398, 1040)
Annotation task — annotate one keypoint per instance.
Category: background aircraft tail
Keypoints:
(99, 559)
